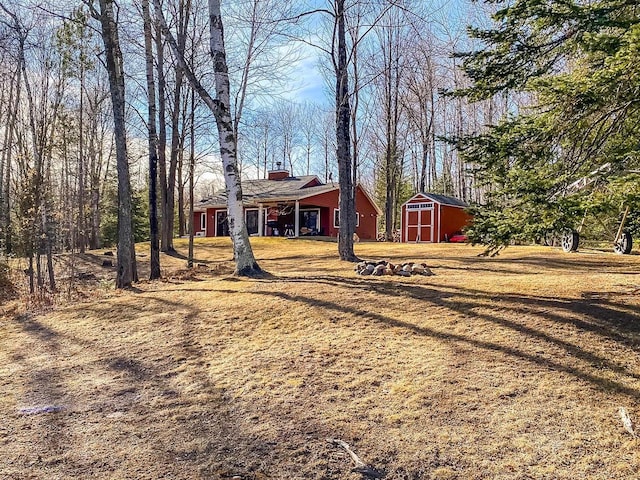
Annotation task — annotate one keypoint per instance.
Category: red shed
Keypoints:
(429, 217)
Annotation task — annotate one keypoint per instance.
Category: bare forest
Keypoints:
(111, 114)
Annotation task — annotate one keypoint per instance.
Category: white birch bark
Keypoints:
(243, 254)
(246, 264)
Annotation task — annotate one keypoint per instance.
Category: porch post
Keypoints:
(260, 221)
(296, 229)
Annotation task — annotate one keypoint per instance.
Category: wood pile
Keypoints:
(383, 267)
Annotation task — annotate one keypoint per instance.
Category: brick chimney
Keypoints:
(278, 173)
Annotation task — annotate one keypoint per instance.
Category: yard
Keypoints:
(511, 367)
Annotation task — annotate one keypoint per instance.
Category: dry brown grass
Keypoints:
(505, 368)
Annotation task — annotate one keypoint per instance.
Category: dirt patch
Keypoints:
(505, 368)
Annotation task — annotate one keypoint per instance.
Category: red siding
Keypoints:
(196, 222)
(368, 226)
(327, 202)
(454, 219)
(313, 183)
(447, 220)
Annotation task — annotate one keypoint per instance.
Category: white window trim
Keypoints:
(420, 206)
(336, 214)
(203, 221)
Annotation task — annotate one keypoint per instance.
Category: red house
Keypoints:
(428, 217)
(282, 205)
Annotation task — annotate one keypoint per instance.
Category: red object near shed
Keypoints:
(430, 217)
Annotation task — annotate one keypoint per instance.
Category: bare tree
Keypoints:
(286, 119)
(153, 144)
(309, 116)
(343, 140)
(126, 259)
(246, 264)
(13, 102)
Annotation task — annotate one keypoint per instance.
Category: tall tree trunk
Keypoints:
(165, 240)
(153, 146)
(246, 264)
(180, 186)
(34, 181)
(94, 165)
(82, 242)
(169, 215)
(243, 253)
(127, 271)
(343, 142)
(354, 110)
(5, 206)
(192, 163)
(3, 157)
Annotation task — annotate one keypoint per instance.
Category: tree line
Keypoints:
(119, 115)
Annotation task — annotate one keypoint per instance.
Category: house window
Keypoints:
(336, 218)
(222, 225)
(310, 221)
(203, 221)
(251, 219)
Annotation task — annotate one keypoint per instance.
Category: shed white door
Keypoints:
(419, 222)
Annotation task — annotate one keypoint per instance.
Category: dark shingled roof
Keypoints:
(253, 191)
(444, 200)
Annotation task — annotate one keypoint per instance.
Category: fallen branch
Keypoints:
(360, 467)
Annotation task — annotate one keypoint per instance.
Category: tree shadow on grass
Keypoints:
(437, 298)
(570, 262)
(614, 320)
(42, 398)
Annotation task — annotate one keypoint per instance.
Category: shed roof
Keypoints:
(441, 199)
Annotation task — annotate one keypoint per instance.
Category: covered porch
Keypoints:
(287, 219)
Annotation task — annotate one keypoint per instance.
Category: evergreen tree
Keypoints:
(580, 62)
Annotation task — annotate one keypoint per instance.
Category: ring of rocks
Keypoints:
(383, 267)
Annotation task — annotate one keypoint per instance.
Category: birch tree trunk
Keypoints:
(243, 254)
(82, 236)
(127, 271)
(192, 163)
(246, 264)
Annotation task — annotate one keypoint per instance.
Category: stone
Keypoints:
(379, 270)
(370, 267)
(388, 271)
(365, 271)
(404, 273)
(417, 269)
